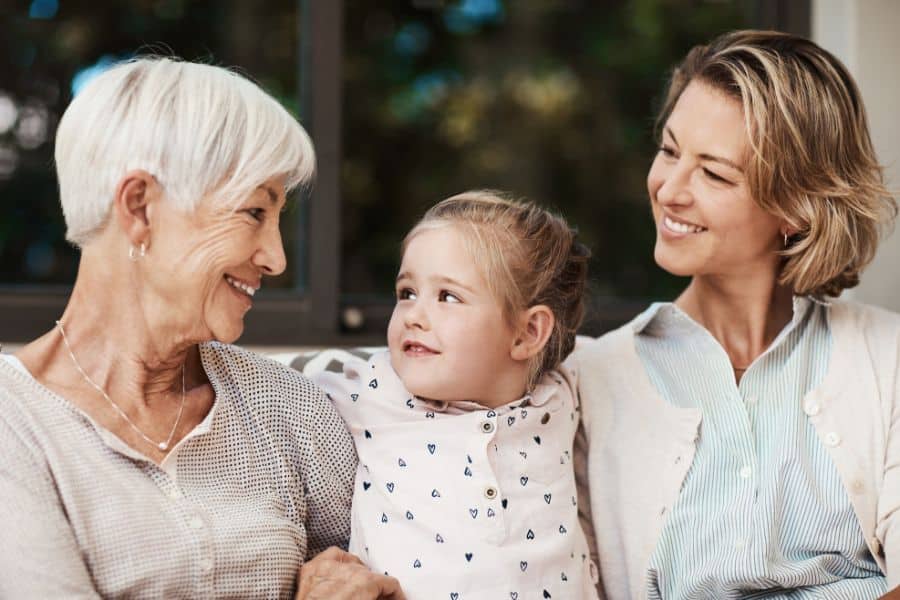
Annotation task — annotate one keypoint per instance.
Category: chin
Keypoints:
(227, 333)
(670, 262)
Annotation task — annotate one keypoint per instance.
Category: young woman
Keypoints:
(743, 439)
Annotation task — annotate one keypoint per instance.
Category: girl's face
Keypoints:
(706, 221)
(448, 338)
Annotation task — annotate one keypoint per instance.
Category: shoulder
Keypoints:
(608, 353)
(245, 367)
(869, 318)
(869, 327)
(267, 386)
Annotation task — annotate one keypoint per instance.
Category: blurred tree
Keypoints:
(551, 100)
(49, 48)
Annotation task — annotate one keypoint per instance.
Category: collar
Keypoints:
(542, 393)
(669, 316)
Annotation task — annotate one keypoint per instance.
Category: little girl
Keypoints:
(464, 427)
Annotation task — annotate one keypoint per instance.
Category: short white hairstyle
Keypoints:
(198, 129)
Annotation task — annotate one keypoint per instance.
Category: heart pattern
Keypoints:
(524, 451)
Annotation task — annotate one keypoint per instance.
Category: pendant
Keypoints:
(163, 446)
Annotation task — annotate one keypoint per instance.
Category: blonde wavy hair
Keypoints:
(812, 162)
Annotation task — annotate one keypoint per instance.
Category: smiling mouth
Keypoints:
(680, 226)
(241, 286)
(417, 349)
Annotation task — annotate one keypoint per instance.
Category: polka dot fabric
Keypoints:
(461, 502)
(263, 483)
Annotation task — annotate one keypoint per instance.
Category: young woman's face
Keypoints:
(706, 221)
(448, 338)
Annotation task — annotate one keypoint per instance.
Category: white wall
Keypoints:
(865, 35)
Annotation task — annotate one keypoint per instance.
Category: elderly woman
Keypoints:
(144, 456)
(744, 440)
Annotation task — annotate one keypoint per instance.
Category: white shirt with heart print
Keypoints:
(461, 502)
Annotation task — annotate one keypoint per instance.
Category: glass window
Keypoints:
(550, 100)
(51, 48)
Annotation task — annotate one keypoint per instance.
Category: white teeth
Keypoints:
(250, 291)
(681, 227)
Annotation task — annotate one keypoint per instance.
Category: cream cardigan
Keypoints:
(640, 447)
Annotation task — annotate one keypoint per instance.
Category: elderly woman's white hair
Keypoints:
(198, 129)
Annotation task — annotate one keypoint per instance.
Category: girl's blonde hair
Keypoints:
(528, 257)
(812, 162)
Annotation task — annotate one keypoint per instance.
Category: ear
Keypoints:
(134, 200)
(535, 326)
(788, 230)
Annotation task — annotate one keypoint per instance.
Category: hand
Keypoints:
(338, 575)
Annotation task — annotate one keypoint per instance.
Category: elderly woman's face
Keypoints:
(706, 221)
(211, 261)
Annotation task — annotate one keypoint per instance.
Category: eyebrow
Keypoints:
(272, 195)
(710, 157)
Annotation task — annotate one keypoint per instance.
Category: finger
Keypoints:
(330, 553)
(390, 588)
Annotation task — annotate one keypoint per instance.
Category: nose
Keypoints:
(670, 185)
(270, 257)
(416, 316)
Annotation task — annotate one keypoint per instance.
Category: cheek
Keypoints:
(393, 328)
(655, 178)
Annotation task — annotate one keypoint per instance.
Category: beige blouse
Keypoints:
(263, 483)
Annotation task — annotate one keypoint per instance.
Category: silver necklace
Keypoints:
(161, 445)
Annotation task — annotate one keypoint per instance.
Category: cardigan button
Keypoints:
(812, 409)
(832, 439)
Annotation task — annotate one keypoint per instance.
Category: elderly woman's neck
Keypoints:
(112, 340)
(744, 314)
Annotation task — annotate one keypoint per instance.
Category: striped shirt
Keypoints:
(762, 512)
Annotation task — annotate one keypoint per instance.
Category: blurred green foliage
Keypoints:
(551, 100)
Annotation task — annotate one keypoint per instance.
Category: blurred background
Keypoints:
(407, 102)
